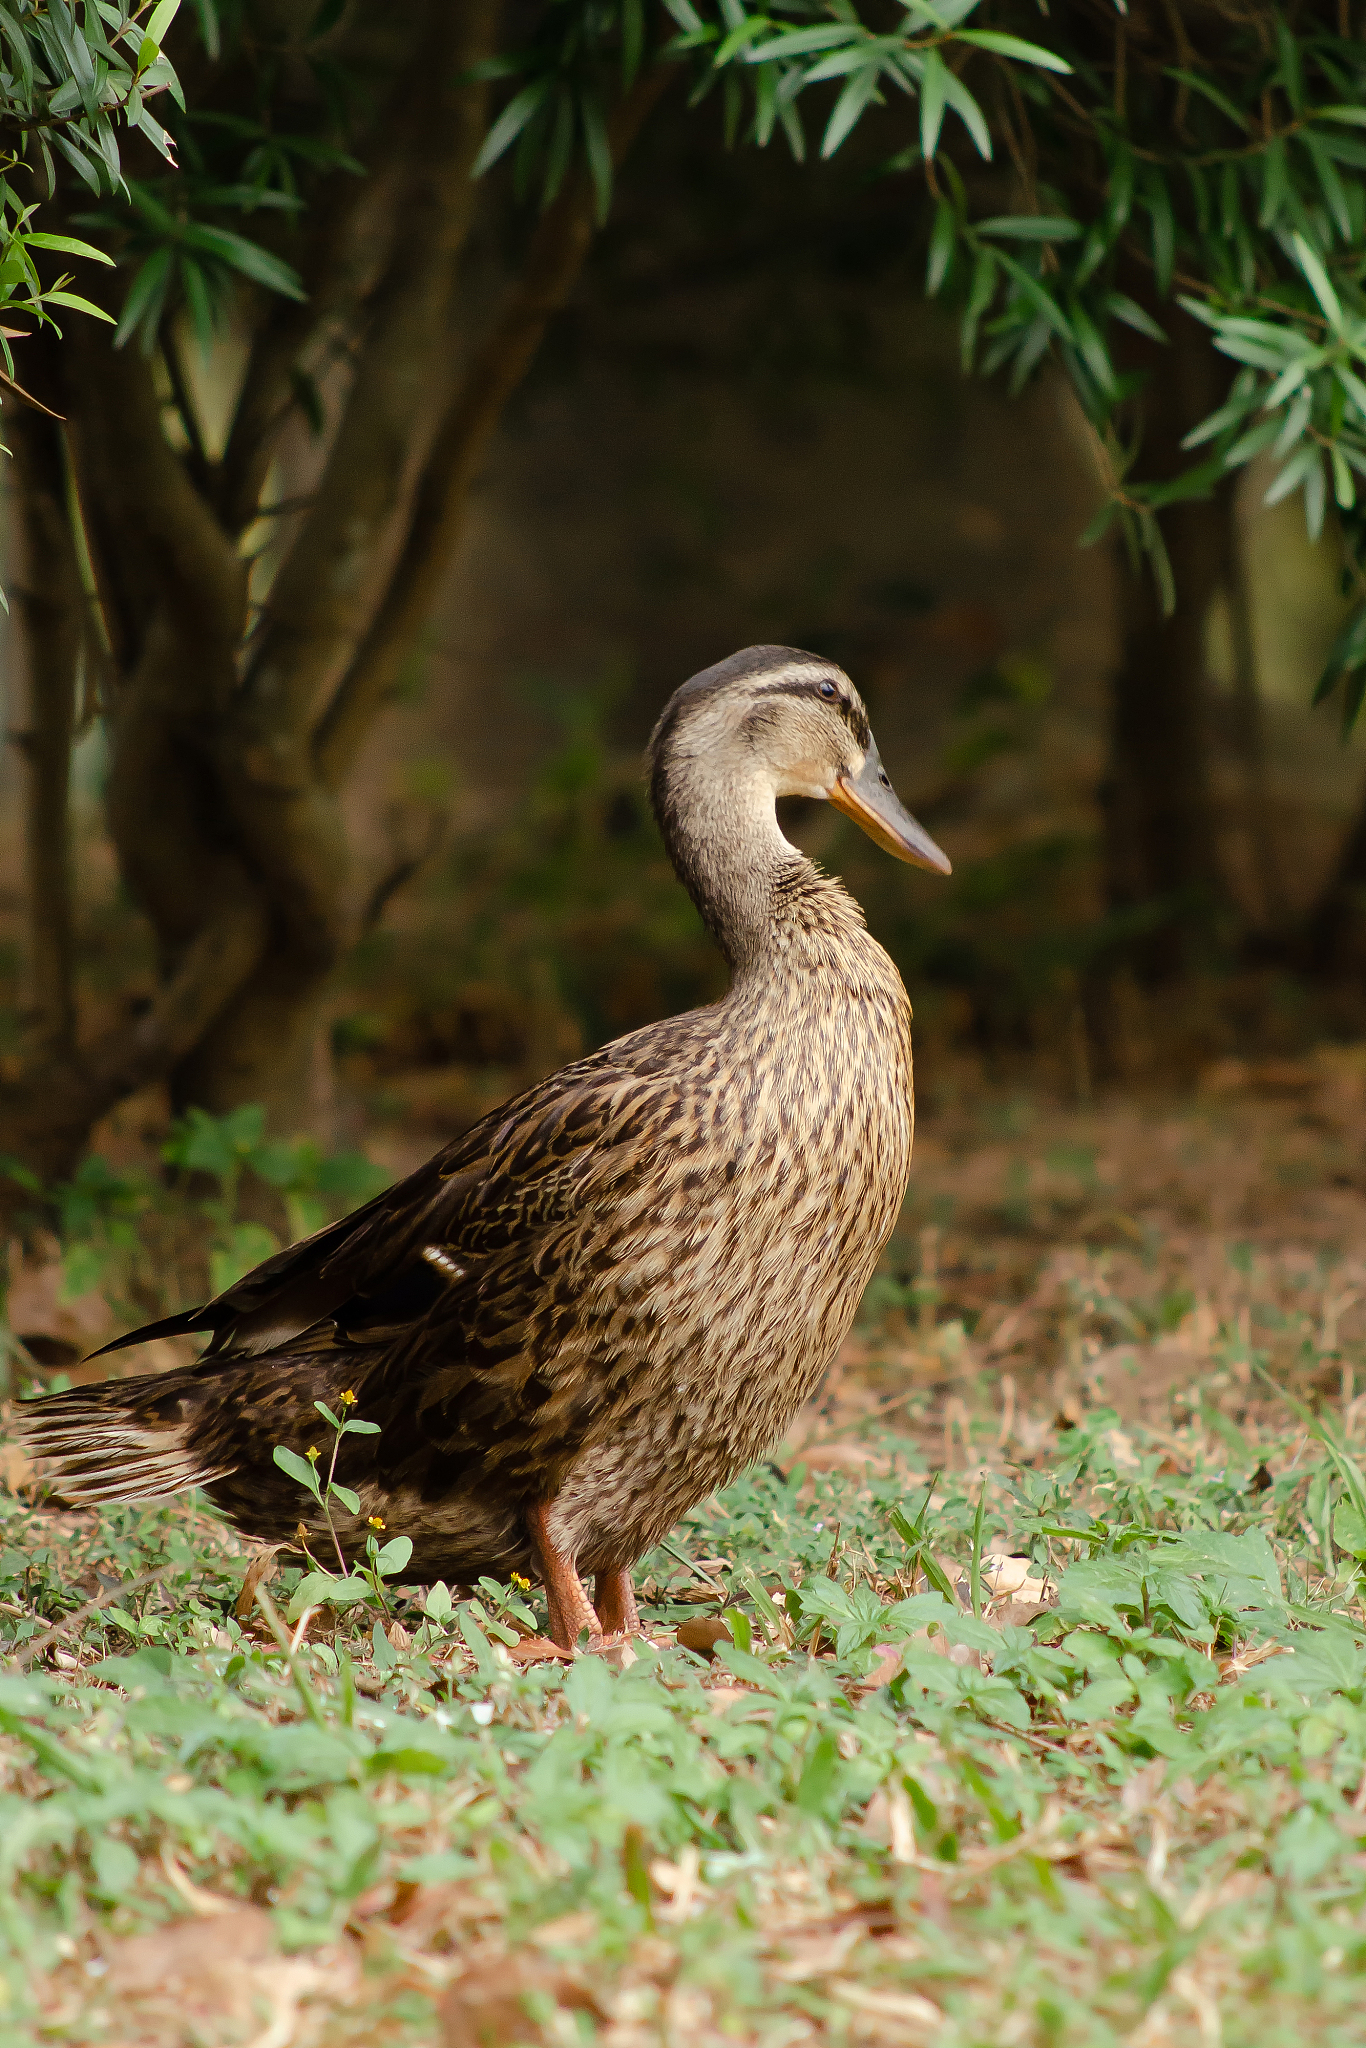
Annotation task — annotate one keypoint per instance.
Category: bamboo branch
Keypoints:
(436, 509)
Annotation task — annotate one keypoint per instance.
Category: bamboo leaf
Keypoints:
(77, 305)
(632, 41)
(143, 304)
(509, 125)
(67, 245)
(943, 238)
(801, 42)
(1014, 46)
(934, 97)
(1030, 227)
(848, 107)
(1330, 184)
(1319, 283)
(1164, 232)
(1125, 309)
(1211, 92)
(970, 114)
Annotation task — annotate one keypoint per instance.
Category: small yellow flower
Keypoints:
(348, 1399)
(313, 1452)
(376, 1521)
(522, 1585)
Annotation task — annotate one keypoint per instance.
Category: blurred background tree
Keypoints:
(237, 532)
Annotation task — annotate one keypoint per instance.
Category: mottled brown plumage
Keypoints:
(614, 1292)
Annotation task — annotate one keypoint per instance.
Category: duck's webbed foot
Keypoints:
(614, 1596)
(611, 1619)
(571, 1610)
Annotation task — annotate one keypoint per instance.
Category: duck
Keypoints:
(614, 1292)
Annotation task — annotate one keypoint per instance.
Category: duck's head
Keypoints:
(771, 722)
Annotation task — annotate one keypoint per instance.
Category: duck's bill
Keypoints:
(875, 807)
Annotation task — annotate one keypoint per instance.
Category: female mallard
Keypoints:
(615, 1291)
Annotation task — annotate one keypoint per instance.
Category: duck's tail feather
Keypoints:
(120, 1441)
(190, 1322)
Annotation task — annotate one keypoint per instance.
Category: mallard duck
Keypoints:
(615, 1291)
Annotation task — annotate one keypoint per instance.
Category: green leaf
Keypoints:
(77, 305)
(297, 1468)
(632, 41)
(818, 1774)
(1030, 227)
(1330, 184)
(322, 1589)
(844, 115)
(249, 259)
(1292, 77)
(1317, 281)
(969, 113)
(162, 15)
(1164, 232)
(349, 1500)
(1013, 46)
(943, 239)
(66, 245)
(146, 297)
(510, 124)
(1125, 309)
(799, 43)
(1196, 83)
(934, 96)
(394, 1556)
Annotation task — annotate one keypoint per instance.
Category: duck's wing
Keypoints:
(459, 1239)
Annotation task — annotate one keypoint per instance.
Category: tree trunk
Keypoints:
(235, 716)
(50, 602)
(1162, 874)
(1332, 942)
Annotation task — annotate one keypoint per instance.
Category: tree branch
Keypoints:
(198, 464)
(437, 505)
(154, 541)
(347, 219)
(316, 607)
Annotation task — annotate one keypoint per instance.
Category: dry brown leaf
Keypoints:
(260, 1569)
(487, 2006)
(538, 1650)
(703, 1635)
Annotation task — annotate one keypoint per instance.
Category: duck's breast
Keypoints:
(738, 1265)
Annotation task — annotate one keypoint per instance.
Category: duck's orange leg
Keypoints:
(614, 1596)
(571, 1611)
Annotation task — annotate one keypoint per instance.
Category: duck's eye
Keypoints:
(885, 779)
(827, 689)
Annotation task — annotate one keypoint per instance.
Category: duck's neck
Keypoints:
(761, 899)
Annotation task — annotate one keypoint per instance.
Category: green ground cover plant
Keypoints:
(901, 1797)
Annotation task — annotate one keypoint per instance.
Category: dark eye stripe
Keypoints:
(853, 717)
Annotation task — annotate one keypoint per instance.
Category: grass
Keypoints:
(1129, 1808)
(1112, 1791)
